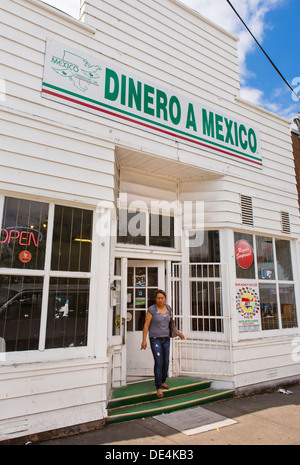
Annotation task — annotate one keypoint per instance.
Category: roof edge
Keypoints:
(204, 18)
(61, 14)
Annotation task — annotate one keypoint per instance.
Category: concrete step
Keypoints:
(138, 400)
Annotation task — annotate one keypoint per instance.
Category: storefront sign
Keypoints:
(25, 256)
(21, 235)
(77, 79)
(244, 254)
(248, 305)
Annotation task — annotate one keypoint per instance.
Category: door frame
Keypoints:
(135, 337)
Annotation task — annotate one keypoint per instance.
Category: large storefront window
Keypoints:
(267, 263)
(26, 276)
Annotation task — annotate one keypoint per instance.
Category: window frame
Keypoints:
(147, 245)
(275, 282)
(43, 354)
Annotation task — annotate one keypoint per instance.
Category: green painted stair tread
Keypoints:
(145, 391)
(168, 404)
(149, 386)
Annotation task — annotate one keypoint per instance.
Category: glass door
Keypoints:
(144, 277)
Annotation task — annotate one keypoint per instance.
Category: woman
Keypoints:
(157, 323)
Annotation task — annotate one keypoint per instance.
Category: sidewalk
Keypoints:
(263, 419)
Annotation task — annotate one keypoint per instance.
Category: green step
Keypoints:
(145, 391)
(166, 405)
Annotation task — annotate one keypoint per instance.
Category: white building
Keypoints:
(133, 117)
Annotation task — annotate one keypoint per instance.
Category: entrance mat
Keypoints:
(195, 420)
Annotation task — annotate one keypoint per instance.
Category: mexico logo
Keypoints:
(247, 302)
(77, 69)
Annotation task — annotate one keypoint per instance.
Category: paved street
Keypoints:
(263, 419)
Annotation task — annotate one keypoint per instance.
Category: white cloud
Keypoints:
(253, 12)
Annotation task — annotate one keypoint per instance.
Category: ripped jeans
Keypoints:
(160, 347)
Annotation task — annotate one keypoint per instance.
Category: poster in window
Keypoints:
(248, 305)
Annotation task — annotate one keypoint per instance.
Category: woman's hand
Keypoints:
(181, 336)
(144, 345)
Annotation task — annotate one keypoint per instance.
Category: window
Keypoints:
(245, 268)
(72, 239)
(23, 234)
(140, 228)
(20, 311)
(67, 316)
(161, 230)
(284, 262)
(132, 227)
(26, 275)
(204, 247)
(268, 306)
(265, 258)
(205, 282)
(269, 261)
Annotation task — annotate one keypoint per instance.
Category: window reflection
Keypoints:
(284, 262)
(265, 258)
(72, 239)
(288, 306)
(20, 311)
(268, 306)
(68, 306)
(23, 234)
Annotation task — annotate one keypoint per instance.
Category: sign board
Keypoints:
(244, 254)
(88, 83)
(248, 305)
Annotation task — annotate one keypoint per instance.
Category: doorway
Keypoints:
(144, 277)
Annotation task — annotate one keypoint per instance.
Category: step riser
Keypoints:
(114, 403)
(169, 409)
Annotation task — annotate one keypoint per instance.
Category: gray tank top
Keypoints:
(159, 326)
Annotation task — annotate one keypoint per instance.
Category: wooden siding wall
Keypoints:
(54, 151)
(162, 41)
(48, 149)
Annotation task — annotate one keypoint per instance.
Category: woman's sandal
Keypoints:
(159, 393)
(165, 386)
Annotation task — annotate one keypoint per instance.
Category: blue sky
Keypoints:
(275, 24)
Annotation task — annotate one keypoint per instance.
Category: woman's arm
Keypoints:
(146, 329)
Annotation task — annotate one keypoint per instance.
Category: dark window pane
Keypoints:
(68, 305)
(153, 276)
(23, 234)
(131, 227)
(265, 258)
(20, 311)
(72, 239)
(139, 320)
(204, 247)
(268, 306)
(288, 306)
(161, 230)
(284, 262)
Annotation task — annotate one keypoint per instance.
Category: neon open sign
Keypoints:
(22, 235)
